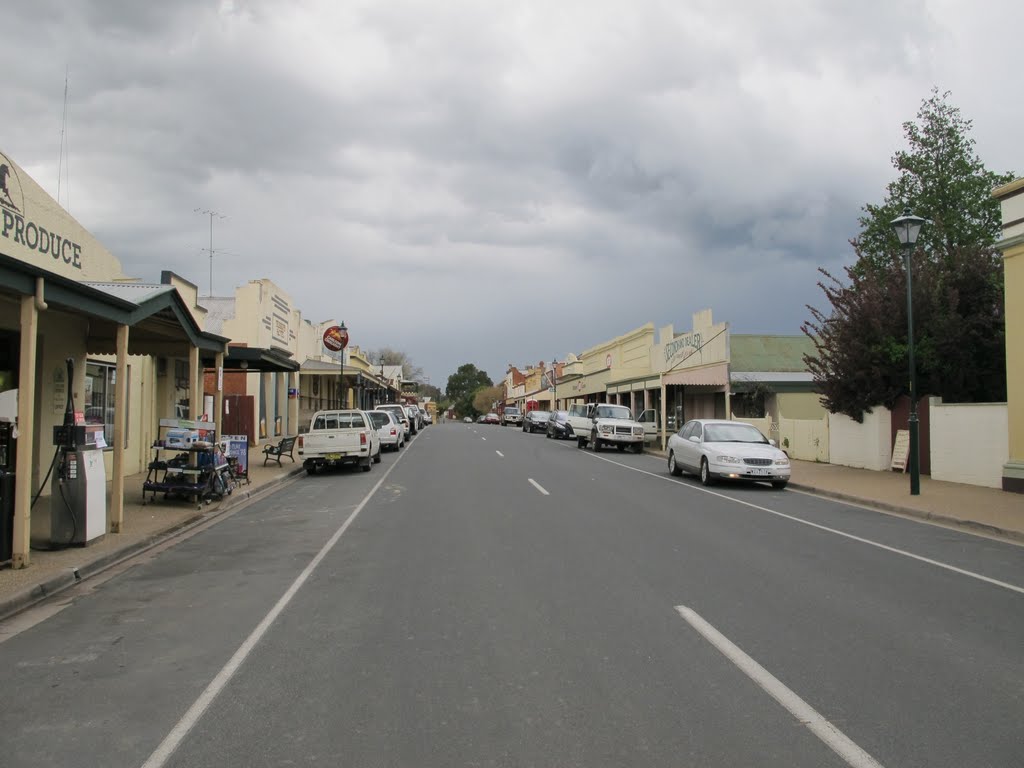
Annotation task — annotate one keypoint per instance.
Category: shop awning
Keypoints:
(712, 375)
(160, 322)
(259, 359)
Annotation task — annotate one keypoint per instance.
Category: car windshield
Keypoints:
(613, 412)
(732, 433)
(539, 415)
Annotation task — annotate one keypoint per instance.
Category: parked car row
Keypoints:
(712, 449)
(350, 436)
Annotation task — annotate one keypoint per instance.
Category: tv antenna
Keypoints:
(211, 214)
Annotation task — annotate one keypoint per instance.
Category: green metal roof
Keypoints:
(749, 352)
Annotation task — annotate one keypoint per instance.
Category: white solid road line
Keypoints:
(536, 485)
(500, 454)
(861, 539)
(805, 714)
(170, 743)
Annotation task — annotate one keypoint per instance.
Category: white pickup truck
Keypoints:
(604, 424)
(339, 437)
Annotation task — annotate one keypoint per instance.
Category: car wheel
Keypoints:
(596, 443)
(376, 459)
(673, 468)
(311, 469)
(367, 465)
(620, 448)
(639, 448)
(778, 485)
(705, 473)
(581, 443)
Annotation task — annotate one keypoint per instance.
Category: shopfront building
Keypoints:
(64, 297)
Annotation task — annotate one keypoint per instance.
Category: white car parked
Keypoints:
(729, 450)
(401, 415)
(390, 429)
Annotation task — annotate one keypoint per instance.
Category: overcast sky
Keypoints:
(496, 182)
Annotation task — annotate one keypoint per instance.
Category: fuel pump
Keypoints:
(78, 503)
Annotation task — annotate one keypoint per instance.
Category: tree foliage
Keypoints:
(463, 385)
(485, 398)
(410, 371)
(957, 281)
(941, 178)
(861, 348)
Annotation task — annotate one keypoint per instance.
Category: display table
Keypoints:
(197, 471)
(176, 476)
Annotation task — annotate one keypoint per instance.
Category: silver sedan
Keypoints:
(726, 450)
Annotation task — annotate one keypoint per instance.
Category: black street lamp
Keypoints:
(907, 229)
(386, 394)
(344, 335)
(554, 385)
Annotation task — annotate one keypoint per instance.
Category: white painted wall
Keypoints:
(969, 442)
(805, 439)
(866, 445)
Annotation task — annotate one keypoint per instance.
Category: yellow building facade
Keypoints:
(1011, 200)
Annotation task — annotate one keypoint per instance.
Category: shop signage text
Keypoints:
(675, 346)
(26, 232)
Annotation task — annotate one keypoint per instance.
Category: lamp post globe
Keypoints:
(907, 228)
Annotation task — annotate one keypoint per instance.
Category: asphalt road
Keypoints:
(492, 598)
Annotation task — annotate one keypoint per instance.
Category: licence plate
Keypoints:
(332, 456)
(758, 471)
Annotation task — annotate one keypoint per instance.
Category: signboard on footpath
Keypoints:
(237, 446)
(901, 450)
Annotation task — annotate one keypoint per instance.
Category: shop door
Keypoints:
(239, 416)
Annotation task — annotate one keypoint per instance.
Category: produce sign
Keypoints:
(336, 338)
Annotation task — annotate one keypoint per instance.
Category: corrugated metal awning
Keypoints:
(713, 375)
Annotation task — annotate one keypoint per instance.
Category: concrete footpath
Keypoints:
(968, 507)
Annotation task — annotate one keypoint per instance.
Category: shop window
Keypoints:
(100, 381)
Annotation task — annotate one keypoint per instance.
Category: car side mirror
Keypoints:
(772, 443)
(694, 439)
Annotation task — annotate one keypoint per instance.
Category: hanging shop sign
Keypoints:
(335, 338)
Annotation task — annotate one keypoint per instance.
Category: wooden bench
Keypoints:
(285, 447)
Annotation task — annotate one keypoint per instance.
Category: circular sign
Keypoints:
(336, 338)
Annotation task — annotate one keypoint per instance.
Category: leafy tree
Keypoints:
(941, 179)
(484, 399)
(861, 346)
(462, 386)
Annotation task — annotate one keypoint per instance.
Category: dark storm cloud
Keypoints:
(504, 163)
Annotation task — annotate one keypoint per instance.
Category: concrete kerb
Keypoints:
(72, 576)
(920, 514)
(882, 506)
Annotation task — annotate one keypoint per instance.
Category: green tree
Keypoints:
(861, 345)
(463, 385)
(941, 178)
(485, 398)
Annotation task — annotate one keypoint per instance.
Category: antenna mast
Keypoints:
(63, 131)
(211, 214)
